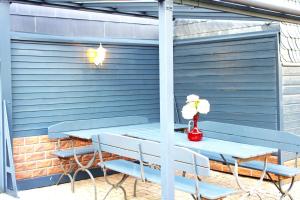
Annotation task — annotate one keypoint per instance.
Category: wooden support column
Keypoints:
(5, 56)
(166, 97)
(5, 77)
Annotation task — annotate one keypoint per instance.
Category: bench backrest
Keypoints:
(149, 151)
(56, 131)
(251, 135)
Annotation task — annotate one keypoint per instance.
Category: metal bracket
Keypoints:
(10, 183)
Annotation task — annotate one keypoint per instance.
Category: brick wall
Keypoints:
(33, 158)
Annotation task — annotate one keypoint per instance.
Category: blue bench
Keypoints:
(280, 140)
(58, 131)
(149, 152)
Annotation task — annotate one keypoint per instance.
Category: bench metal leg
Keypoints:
(279, 186)
(136, 180)
(195, 197)
(116, 186)
(287, 191)
(134, 187)
(84, 168)
(66, 171)
(253, 190)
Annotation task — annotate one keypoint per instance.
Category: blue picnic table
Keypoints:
(151, 131)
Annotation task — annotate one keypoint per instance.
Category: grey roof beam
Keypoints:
(279, 6)
(75, 6)
(241, 9)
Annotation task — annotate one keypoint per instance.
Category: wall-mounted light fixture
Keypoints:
(97, 56)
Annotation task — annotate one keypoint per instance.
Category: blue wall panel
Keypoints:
(53, 82)
(237, 76)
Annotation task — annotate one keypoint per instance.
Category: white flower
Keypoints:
(203, 106)
(189, 110)
(192, 98)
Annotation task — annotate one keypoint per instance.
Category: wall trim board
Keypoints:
(82, 40)
(279, 86)
(279, 95)
(233, 37)
(45, 181)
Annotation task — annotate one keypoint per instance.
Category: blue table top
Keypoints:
(151, 131)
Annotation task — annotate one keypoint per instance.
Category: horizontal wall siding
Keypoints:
(238, 77)
(291, 98)
(53, 82)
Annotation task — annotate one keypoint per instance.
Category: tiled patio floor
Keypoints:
(146, 191)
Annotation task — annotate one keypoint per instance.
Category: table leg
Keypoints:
(84, 168)
(253, 190)
(279, 186)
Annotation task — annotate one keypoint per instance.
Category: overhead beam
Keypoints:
(77, 6)
(278, 5)
(239, 9)
(166, 83)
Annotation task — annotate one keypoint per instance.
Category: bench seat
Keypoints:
(272, 168)
(276, 169)
(208, 191)
(67, 153)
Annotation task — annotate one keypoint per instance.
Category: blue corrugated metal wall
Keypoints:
(53, 82)
(238, 76)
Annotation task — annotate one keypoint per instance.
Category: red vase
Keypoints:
(195, 134)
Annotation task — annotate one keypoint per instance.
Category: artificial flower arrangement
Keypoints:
(194, 105)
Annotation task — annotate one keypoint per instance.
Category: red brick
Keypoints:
(49, 154)
(273, 159)
(25, 166)
(39, 172)
(44, 139)
(65, 144)
(18, 142)
(256, 173)
(43, 163)
(19, 158)
(27, 149)
(216, 166)
(35, 156)
(55, 162)
(106, 155)
(226, 169)
(31, 140)
(44, 147)
(16, 150)
(87, 157)
(54, 170)
(77, 143)
(24, 175)
(20, 167)
(245, 171)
